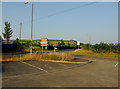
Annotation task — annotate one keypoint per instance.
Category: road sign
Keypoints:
(55, 48)
(43, 42)
(44, 39)
(78, 43)
(55, 44)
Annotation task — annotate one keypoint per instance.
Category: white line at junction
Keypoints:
(34, 66)
(116, 64)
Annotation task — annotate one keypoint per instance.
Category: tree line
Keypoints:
(102, 47)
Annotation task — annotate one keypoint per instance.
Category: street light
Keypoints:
(26, 2)
(31, 24)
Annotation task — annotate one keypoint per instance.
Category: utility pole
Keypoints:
(31, 25)
(20, 32)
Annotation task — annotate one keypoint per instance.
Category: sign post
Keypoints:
(78, 43)
(46, 48)
(55, 49)
(44, 43)
(55, 44)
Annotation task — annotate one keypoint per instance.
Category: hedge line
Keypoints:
(102, 47)
(11, 47)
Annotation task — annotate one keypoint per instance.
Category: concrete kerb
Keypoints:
(68, 62)
(52, 61)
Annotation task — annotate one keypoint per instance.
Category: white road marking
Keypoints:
(93, 60)
(116, 64)
(34, 66)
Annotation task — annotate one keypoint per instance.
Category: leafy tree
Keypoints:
(0, 37)
(117, 48)
(8, 31)
(39, 44)
(62, 43)
(50, 44)
(1, 40)
(96, 48)
(87, 46)
(16, 42)
(59, 44)
(104, 47)
(111, 47)
(68, 44)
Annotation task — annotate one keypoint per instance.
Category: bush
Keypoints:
(16, 42)
(102, 47)
(95, 48)
(11, 48)
(87, 46)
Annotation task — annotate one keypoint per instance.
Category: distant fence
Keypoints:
(11, 48)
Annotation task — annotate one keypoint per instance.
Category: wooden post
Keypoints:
(46, 49)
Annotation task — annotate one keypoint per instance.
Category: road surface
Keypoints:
(103, 72)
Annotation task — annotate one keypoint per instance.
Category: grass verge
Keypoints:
(86, 52)
(45, 56)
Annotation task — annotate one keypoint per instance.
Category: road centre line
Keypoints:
(34, 66)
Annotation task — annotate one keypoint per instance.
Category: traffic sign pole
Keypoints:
(46, 49)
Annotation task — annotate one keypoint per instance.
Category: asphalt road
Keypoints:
(103, 72)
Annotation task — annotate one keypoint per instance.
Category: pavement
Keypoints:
(102, 72)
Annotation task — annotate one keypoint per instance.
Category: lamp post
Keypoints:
(31, 24)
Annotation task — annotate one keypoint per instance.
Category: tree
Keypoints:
(59, 44)
(8, 31)
(62, 43)
(111, 47)
(87, 46)
(103, 47)
(0, 40)
(68, 44)
(96, 48)
(16, 42)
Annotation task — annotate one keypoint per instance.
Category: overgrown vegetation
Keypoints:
(15, 46)
(102, 49)
(45, 56)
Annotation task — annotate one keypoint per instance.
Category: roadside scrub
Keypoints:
(45, 56)
(90, 52)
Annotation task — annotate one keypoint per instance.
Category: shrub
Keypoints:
(87, 46)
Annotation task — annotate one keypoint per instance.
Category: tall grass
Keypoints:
(90, 52)
(45, 56)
